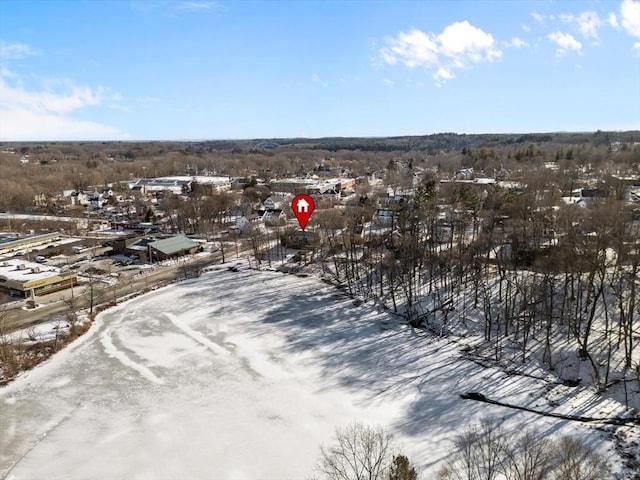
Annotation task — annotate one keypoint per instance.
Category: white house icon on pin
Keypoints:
(303, 206)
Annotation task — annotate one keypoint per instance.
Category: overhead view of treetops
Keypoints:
(332, 240)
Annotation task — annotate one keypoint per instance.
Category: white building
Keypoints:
(181, 184)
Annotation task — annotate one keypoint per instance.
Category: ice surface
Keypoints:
(244, 375)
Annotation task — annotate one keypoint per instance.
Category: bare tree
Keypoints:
(480, 454)
(360, 452)
(9, 358)
(576, 461)
(530, 458)
(72, 314)
(488, 452)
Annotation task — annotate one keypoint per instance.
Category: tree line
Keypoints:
(529, 267)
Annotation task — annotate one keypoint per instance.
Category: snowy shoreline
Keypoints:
(194, 370)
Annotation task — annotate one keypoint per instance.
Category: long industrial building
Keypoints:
(28, 242)
(19, 278)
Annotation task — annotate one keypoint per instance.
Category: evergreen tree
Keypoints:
(401, 469)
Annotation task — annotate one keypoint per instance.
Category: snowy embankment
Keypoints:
(243, 375)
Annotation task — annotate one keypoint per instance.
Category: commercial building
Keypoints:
(311, 186)
(20, 278)
(181, 184)
(155, 249)
(28, 242)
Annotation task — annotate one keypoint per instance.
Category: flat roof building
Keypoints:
(181, 184)
(148, 248)
(19, 278)
(27, 242)
(312, 185)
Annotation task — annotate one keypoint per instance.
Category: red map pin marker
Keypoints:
(302, 206)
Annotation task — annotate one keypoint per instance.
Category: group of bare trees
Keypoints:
(199, 212)
(363, 452)
(532, 268)
(488, 452)
(481, 452)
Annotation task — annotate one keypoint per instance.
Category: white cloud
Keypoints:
(173, 8)
(587, 22)
(316, 79)
(5, 72)
(21, 124)
(526, 27)
(458, 46)
(412, 48)
(565, 42)
(46, 114)
(630, 17)
(462, 41)
(537, 17)
(516, 42)
(636, 49)
(388, 82)
(442, 76)
(612, 20)
(196, 5)
(53, 102)
(15, 50)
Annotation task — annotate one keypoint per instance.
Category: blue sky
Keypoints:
(199, 69)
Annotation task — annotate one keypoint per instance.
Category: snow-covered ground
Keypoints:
(243, 375)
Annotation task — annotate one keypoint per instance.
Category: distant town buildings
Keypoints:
(181, 184)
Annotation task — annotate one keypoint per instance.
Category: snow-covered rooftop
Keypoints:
(25, 271)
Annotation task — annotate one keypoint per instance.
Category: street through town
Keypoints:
(19, 317)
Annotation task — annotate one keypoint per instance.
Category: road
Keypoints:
(17, 318)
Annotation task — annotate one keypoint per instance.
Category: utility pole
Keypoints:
(90, 292)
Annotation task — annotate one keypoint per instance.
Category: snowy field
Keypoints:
(243, 375)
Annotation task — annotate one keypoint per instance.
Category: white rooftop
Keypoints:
(24, 271)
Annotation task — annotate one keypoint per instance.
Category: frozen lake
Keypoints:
(243, 376)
